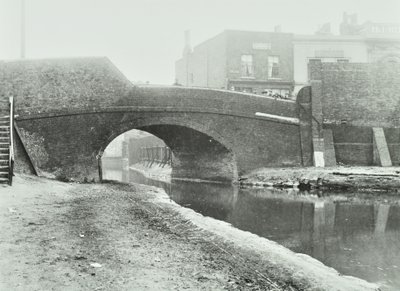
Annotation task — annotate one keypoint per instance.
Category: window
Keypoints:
(329, 60)
(273, 67)
(247, 66)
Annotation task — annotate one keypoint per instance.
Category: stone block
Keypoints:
(329, 148)
(381, 150)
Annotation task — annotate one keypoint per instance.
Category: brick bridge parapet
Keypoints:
(70, 109)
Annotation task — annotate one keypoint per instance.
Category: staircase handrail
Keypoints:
(11, 150)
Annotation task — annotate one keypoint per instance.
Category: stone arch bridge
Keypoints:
(69, 110)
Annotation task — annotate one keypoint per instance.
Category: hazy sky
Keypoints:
(145, 37)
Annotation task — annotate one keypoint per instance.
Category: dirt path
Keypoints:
(53, 233)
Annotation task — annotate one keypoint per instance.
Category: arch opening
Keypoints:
(187, 153)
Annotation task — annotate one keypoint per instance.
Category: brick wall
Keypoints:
(356, 97)
(205, 66)
(38, 85)
(70, 110)
(359, 94)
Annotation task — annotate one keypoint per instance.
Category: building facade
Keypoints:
(327, 49)
(357, 43)
(276, 63)
(245, 61)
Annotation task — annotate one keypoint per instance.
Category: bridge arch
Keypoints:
(127, 125)
(199, 152)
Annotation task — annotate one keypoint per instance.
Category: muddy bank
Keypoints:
(59, 236)
(335, 178)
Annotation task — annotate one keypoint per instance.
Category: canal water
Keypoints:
(357, 234)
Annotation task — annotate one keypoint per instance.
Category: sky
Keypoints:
(144, 38)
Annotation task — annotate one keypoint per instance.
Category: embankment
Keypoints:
(71, 231)
(334, 178)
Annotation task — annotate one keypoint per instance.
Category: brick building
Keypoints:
(276, 63)
(246, 61)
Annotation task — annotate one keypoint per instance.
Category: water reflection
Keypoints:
(358, 237)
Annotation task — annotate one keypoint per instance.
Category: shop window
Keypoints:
(273, 67)
(247, 70)
(243, 89)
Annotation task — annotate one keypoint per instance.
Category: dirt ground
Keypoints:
(58, 236)
(61, 236)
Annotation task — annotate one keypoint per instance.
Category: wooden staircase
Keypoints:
(6, 140)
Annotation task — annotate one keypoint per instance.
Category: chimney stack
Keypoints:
(278, 28)
(188, 48)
